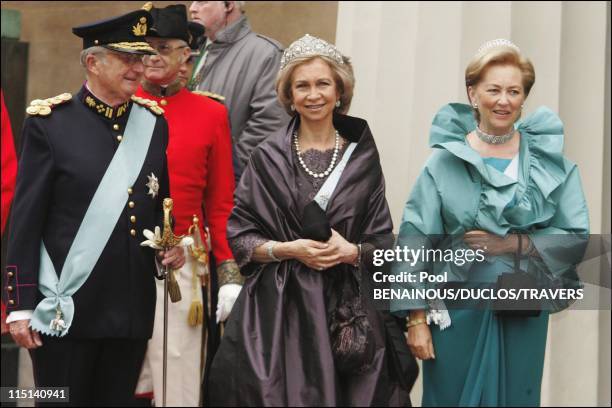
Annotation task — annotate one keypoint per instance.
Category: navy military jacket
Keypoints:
(63, 159)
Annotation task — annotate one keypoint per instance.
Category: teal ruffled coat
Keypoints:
(482, 360)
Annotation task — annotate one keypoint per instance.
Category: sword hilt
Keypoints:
(168, 239)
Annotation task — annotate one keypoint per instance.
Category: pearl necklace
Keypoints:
(492, 139)
(331, 165)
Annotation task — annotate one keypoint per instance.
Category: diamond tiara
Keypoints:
(500, 42)
(310, 46)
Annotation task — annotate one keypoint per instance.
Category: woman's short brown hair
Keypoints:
(343, 76)
(500, 55)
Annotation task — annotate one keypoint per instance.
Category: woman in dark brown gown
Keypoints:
(276, 349)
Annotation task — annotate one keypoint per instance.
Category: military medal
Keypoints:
(153, 185)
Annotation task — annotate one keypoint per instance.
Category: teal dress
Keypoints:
(481, 359)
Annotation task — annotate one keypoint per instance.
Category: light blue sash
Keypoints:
(327, 189)
(53, 315)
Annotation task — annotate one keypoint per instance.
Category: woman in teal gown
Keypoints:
(491, 178)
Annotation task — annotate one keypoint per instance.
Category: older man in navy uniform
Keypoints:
(79, 287)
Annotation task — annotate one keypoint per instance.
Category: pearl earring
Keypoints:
(338, 103)
(292, 108)
(475, 106)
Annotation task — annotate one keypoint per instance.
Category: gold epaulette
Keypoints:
(43, 107)
(148, 103)
(211, 95)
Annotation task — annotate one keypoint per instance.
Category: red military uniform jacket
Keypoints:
(199, 164)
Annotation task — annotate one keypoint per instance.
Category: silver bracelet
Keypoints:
(271, 255)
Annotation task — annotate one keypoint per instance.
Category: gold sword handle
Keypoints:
(168, 239)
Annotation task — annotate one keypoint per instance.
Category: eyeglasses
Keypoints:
(166, 50)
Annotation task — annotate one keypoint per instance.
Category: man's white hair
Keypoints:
(96, 49)
(240, 5)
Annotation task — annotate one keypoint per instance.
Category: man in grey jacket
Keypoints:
(240, 66)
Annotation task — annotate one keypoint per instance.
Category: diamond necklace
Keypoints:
(331, 165)
(492, 139)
